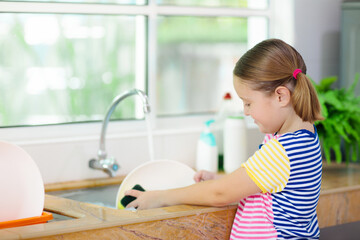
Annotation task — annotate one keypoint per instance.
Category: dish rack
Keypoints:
(45, 216)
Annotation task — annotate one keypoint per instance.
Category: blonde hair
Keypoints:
(271, 64)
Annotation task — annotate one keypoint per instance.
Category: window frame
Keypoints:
(91, 130)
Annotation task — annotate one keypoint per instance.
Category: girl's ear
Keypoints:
(283, 95)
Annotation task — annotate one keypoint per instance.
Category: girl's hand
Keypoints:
(145, 200)
(210, 190)
(205, 175)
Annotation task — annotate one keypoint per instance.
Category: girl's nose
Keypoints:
(246, 112)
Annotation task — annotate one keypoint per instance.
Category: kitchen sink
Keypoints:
(59, 217)
(104, 196)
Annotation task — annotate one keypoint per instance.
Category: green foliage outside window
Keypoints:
(93, 69)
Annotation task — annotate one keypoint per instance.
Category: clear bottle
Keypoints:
(207, 151)
(235, 143)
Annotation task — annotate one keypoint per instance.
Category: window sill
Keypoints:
(31, 135)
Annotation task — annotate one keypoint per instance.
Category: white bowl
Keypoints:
(21, 185)
(157, 175)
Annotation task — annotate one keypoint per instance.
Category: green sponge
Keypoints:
(128, 199)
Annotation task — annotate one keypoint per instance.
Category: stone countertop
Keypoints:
(340, 187)
(88, 217)
(340, 178)
(339, 201)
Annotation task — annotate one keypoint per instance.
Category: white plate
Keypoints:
(21, 185)
(157, 175)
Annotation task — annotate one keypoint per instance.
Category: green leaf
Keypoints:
(326, 150)
(326, 83)
(351, 89)
(340, 129)
(337, 151)
(354, 154)
(332, 98)
(354, 135)
(347, 151)
(323, 107)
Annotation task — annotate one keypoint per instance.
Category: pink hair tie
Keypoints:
(296, 72)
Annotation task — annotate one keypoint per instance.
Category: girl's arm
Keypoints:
(219, 192)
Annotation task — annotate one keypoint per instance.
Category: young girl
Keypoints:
(278, 187)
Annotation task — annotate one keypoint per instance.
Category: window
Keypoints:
(65, 60)
(196, 56)
(67, 68)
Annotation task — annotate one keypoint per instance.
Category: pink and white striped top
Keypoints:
(254, 218)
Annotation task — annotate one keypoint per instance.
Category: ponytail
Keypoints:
(305, 101)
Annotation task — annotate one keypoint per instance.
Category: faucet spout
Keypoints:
(109, 165)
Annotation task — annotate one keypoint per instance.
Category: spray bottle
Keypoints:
(207, 151)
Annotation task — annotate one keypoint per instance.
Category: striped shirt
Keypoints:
(287, 168)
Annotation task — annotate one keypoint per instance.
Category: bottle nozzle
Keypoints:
(227, 96)
(209, 122)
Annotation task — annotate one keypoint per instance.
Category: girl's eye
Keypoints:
(247, 104)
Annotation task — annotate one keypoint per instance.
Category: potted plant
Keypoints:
(341, 127)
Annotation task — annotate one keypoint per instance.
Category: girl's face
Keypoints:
(263, 108)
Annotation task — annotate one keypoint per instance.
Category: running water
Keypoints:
(150, 136)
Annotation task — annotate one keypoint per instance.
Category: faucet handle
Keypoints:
(113, 164)
(108, 165)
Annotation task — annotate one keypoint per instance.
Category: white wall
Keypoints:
(66, 161)
(317, 35)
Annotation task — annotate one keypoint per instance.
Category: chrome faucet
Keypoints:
(109, 164)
